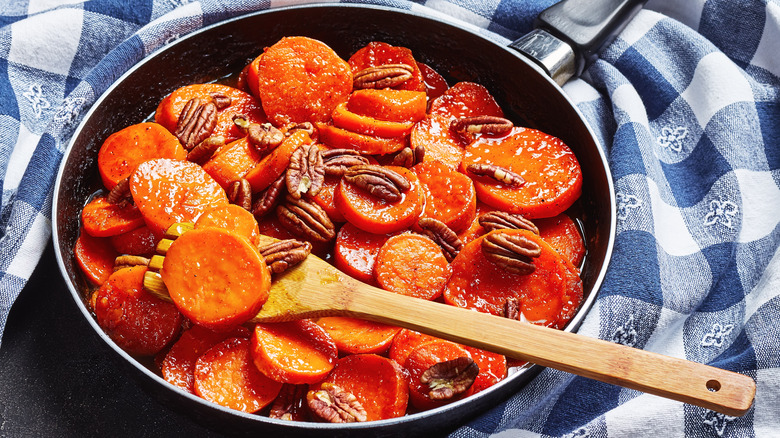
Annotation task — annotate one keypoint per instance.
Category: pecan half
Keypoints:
(512, 308)
(306, 219)
(450, 378)
(306, 171)
(482, 125)
(304, 126)
(513, 252)
(408, 157)
(221, 101)
(289, 404)
(196, 122)
(205, 149)
(379, 181)
(284, 254)
(120, 192)
(337, 161)
(335, 405)
(440, 233)
(239, 192)
(498, 173)
(126, 261)
(263, 137)
(382, 76)
(498, 220)
(268, 198)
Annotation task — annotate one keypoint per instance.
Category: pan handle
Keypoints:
(569, 34)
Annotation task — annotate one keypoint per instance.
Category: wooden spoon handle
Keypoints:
(690, 382)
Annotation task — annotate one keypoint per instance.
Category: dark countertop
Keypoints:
(57, 379)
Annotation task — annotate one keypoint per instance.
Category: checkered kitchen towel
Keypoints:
(686, 102)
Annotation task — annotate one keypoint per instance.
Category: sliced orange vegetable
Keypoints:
(405, 342)
(216, 277)
(388, 104)
(466, 99)
(273, 165)
(377, 383)
(225, 375)
(376, 215)
(136, 320)
(293, 352)
(379, 53)
(232, 162)
(95, 257)
(435, 84)
(355, 252)
(101, 218)
(338, 138)
(423, 357)
(441, 143)
(125, 149)
(354, 335)
(366, 125)
(552, 174)
(325, 199)
(233, 218)
(549, 296)
(449, 195)
(492, 368)
(168, 191)
(241, 103)
(140, 241)
(563, 234)
(301, 79)
(413, 265)
(475, 229)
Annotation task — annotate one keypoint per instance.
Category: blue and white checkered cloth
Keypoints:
(686, 100)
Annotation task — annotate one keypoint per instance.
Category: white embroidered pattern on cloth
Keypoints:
(716, 336)
(70, 109)
(582, 432)
(35, 96)
(626, 203)
(672, 138)
(626, 334)
(717, 421)
(721, 211)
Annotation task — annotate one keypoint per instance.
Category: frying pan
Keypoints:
(523, 88)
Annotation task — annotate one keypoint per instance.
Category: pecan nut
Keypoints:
(240, 193)
(337, 161)
(284, 254)
(440, 233)
(379, 181)
(120, 192)
(382, 76)
(205, 149)
(513, 252)
(290, 128)
(196, 122)
(335, 405)
(306, 219)
(482, 125)
(263, 136)
(450, 378)
(498, 173)
(289, 404)
(126, 261)
(512, 308)
(408, 157)
(306, 171)
(221, 101)
(501, 220)
(268, 198)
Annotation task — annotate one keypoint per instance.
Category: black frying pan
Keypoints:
(525, 92)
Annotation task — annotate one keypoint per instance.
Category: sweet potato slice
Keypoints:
(215, 277)
(225, 375)
(232, 162)
(449, 195)
(355, 252)
(95, 256)
(413, 265)
(243, 103)
(435, 84)
(178, 365)
(233, 218)
(338, 138)
(466, 99)
(345, 119)
(273, 165)
(492, 368)
(325, 199)
(140, 241)
(101, 218)
(388, 104)
(137, 321)
(354, 335)
(405, 342)
(168, 191)
(549, 296)
(423, 357)
(378, 53)
(377, 215)
(376, 382)
(300, 80)
(125, 149)
(294, 352)
(552, 174)
(563, 234)
(440, 142)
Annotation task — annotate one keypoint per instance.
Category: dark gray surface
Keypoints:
(58, 380)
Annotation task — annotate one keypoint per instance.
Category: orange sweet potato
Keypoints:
(294, 352)
(234, 218)
(353, 335)
(379, 53)
(300, 80)
(338, 138)
(273, 165)
(325, 197)
(168, 191)
(388, 104)
(140, 241)
(355, 252)
(95, 256)
(466, 99)
(101, 218)
(201, 271)
(449, 195)
(137, 321)
(125, 149)
(413, 265)
(345, 119)
(435, 84)
(563, 234)
(423, 357)
(553, 178)
(225, 375)
(232, 162)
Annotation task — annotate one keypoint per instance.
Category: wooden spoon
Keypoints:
(315, 289)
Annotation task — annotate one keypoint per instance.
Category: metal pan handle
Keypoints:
(569, 34)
